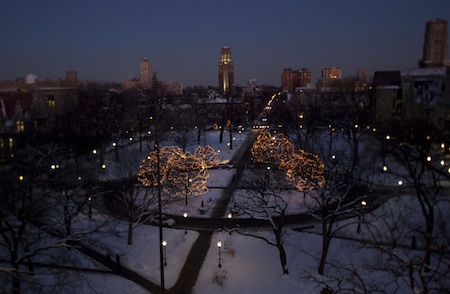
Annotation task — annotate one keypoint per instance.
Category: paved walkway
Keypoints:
(194, 261)
(191, 269)
(189, 273)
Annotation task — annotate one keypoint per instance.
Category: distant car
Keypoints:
(166, 221)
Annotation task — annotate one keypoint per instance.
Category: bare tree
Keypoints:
(418, 238)
(264, 196)
(339, 197)
(36, 223)
(127, 195)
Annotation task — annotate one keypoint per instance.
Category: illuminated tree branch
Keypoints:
(181, 172)
(208, 154)
(304, 170)
(273, 148)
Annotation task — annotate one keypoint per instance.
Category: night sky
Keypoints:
(106, 40)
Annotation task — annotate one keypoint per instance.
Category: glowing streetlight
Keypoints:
(164, 244)
(400, 183)
(428, 158)
(363, 203)
(219, 245)
(185, 215)
(385, 168)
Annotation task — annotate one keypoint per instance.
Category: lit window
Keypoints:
(20, 126)
(51, 102)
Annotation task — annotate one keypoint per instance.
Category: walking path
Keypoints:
(194, 261)
(189, 273)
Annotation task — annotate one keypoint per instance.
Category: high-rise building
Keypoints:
(226, 70)
(435, 47)
(290, 79)
(331, 73)
(146, 72)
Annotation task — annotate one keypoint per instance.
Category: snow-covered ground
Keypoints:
(248, 265)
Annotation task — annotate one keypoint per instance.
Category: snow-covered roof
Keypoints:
(56, 88)
(436, 71)
(388, 87)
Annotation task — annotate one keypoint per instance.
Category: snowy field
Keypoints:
(248, 265)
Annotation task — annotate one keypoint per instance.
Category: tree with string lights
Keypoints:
(185, 172)
(304, 170)
(208, 154)
(271, 148)
(181, 172)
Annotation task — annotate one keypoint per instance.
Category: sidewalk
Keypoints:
(191, 269)
(117, 268)
(194, 261)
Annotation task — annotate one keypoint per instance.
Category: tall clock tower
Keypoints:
(226, 71)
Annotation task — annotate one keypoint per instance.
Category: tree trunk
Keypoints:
(428, 241)
(67, 220)
(16, 270)
(283, 259)
(130, 233)
(116, 151)
(221, 135)
(16, 284)
(282, 252)
(325, 247)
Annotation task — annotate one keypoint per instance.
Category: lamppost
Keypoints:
(230, 217)
(219, 244)
(90, 206)
(185, 215)
(268, 178)
(164, 244)
(188, 188)
(361, 212)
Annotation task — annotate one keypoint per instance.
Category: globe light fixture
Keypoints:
(219, 245)
(164, 244)
(185, 215)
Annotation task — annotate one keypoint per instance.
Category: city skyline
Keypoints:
(106, 40)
